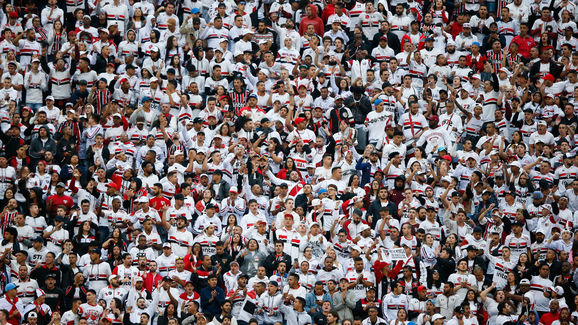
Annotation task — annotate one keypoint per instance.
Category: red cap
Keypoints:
(224, 97)
(13, 14)
(72, 33)
(421, 288)
(113, 185)
(299, 120)
(123, 80)
(111, 65)
(447, 157)
(288, 215)
(433, 118)
(548, 76)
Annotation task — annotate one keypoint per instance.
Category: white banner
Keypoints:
(395, 254)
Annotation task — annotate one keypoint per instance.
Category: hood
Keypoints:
(313, 11)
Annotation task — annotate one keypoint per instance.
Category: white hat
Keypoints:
(356, 248)
(112, 277)
(166, 244)
(559, 290)
(138, 279)
(32, 315)
(248, 31)
(265, 72)
(154, 79)
(50, 98)
(525, 281)
(238, 52)
(446, 179)
(142, 199)
(178, 152)
(516, 164)
(315, 202)
(234, 189)
(437, 316)
(363, 227)
(451, 43)
(154, 49)
(314, 224)
(467, 25)
(117, 115)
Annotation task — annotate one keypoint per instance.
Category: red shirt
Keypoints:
(152, 282)
(524, 45)
(158, 203)
(57, 200)
(549, 317)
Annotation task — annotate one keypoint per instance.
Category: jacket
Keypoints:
(36, 146)
(344, 308)
(312, 20)
(214, 307)
(271, 262)
(311, 301)
(271, 305)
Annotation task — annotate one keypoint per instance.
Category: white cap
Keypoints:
(436, 317)
(112, 277)
(117, 115)
(559, 290)
(178, 152)
(234, 189)
(49, 97)
(315, 202)
(154, 49)
(248, 31)
(516, 164)
(356, 248)
(154, 79)
(451, 43)
(363, 227)
(142, 199)
(238, 52)
(446, 179)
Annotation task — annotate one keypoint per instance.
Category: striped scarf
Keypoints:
(42, 35)
(58, 40)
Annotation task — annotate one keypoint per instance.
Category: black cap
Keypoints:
(59, 219)
(517, 223)
(96, 251)
(210, 206)
(38, 239)
(471, 248)
(166, 278)
(197, 120)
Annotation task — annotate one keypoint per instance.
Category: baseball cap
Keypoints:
(437, 316)
(548, 76)
(9, 286)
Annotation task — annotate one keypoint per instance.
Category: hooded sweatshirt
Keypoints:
(313, 20)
